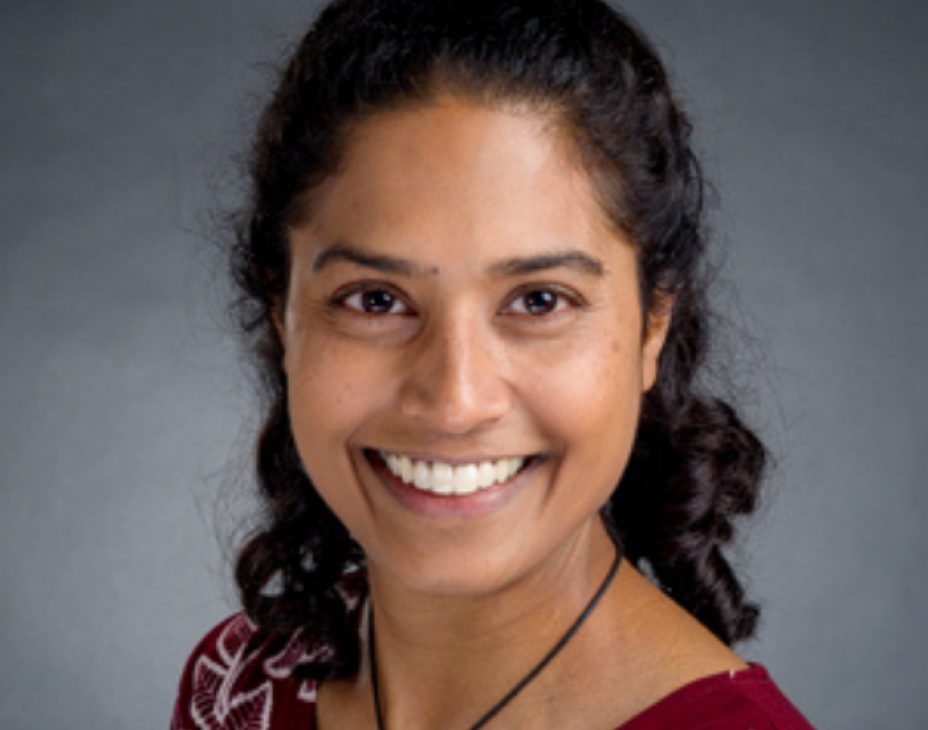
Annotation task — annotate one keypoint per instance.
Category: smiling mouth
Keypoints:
(443, 478)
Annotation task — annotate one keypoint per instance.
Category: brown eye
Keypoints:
(375, 302)
(538, 302)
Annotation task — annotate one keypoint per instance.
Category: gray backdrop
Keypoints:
(121, 400)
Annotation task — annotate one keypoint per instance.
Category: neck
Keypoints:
(444, 660)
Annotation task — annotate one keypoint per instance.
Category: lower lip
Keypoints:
(428, 504)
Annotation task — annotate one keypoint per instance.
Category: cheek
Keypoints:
(328, 397)
(326, 401)
(591, 393)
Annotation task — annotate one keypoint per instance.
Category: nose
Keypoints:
(456, 380)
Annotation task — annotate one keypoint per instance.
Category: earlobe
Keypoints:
(659, 320)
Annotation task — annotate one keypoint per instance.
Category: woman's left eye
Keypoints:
(539, 302)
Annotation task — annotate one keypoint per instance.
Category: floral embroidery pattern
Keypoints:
(214, 708)
(223, 695)
(213, 703)
(243, 678)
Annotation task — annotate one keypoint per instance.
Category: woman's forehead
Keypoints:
(464, 171)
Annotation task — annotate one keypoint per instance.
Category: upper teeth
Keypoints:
(442, 478)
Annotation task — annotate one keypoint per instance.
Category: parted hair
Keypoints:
(695, 466)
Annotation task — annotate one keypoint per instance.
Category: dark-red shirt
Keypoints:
(240, 677)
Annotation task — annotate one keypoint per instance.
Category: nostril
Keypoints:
(452, 411)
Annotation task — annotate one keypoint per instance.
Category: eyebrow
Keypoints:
(576, 260)
(520, 266)
(351, 254)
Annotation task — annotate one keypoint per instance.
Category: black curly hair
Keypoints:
(695, 465)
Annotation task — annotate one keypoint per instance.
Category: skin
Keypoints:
(458, 295)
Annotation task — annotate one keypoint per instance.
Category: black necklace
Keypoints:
(522, 683)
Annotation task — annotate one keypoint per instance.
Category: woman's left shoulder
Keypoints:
(741, 700)
(242, 676)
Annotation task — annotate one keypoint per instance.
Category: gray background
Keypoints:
(121, 399)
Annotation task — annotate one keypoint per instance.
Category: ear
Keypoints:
(277, 317)
(660, 315)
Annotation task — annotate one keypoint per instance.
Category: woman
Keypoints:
(473, 273)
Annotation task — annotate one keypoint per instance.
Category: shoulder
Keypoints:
(747, 700)
(242, 676)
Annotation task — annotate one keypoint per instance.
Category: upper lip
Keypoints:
(452, 460)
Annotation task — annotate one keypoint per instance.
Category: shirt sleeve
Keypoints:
(241, 678)
(747, 700)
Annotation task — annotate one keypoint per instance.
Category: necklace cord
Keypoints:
(528, 678)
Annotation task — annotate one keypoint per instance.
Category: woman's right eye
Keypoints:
(374, 302)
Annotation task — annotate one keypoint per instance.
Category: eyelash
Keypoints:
(562, 300)
(342, 299)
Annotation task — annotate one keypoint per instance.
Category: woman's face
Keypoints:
(464, 347)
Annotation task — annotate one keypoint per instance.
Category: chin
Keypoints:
(450, 575)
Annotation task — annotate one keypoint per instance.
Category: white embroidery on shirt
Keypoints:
(214, 705)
